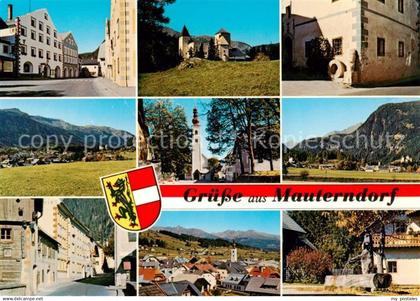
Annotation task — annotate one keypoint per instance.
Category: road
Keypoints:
(329, 88)
(75, 87)
(78, 289)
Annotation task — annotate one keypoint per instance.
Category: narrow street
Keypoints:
(78, 289)
(75, 87)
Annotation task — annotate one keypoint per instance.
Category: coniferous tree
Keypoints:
(200, 53)
(157, 49)
(212, 50)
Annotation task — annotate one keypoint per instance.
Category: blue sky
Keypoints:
(251, 21)
(84, 18)
(116, 113)
(202, 105)
(305, 118)
(219, 221)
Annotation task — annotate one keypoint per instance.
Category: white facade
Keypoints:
(404, 265)
(199, 161)
(102, 59)
(41, 51)
(402, 252)
(93, 69)
(234, 255)
(125, 245)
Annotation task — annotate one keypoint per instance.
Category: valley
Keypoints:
(384, 148)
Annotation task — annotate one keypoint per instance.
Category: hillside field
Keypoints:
(175, 247)
(351, 176)
(72, 179)
(215, 78)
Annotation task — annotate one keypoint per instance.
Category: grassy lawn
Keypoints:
(73, 179)
(103, 280)
(211, 78)
(351, 176)
(270, 173)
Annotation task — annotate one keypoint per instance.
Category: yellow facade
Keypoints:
(120, 39)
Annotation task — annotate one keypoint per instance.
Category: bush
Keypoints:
(261, 57)
(308, 266)
(84, 73)
(304, 174)
(319, 56)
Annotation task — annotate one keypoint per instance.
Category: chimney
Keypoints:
(10, 12)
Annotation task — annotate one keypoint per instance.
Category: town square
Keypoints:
(48, 53)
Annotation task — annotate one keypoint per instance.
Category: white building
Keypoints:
(102, 59)
(402, 250)
(70, 55)
(125, 258)
(234, 254)
(41, 50)
(90, 65)
(233, 170)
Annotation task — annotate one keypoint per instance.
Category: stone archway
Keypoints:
(57, 72)
(66, 72)
(28, 67)
(45, 70)
(70, 72)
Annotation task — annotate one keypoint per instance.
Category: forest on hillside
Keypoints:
(93, 213)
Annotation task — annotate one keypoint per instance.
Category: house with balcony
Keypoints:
(402, 249)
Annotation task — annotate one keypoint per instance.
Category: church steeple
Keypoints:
(197, 156)
(184, 32)
(234, 253)
(195, 120)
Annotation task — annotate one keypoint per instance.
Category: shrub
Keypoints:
(319, 56)
(304, 174)
(261, 57)
(84, 73)
(308, 266)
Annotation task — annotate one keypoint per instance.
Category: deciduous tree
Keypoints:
(170, 136)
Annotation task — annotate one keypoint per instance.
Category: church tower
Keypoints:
(197, 157)
(184, 40)
(234, 253)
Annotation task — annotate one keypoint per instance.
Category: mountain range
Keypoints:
(248, 238)
(389, 133)
(16, 124)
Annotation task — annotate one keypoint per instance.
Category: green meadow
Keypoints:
(72, 179)
(350, 176)
(215, 78)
